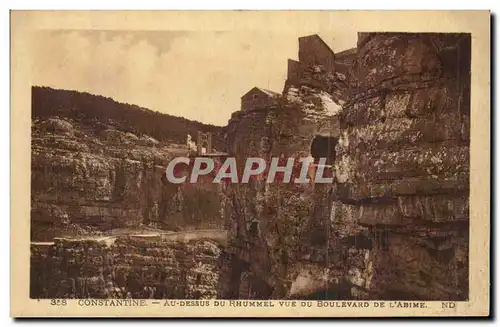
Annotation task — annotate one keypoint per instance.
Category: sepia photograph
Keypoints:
(324, 167)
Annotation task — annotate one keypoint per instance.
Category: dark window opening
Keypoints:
(324, 147)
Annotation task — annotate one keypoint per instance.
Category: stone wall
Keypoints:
(313, 51)
(147, 267)
(344, 61)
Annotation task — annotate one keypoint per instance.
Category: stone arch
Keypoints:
(323, 147)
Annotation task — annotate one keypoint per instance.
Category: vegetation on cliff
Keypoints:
(97, 110)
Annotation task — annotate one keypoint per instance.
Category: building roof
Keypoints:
(316, 36)
(267, 92)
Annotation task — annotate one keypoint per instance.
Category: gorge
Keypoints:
(391, 117)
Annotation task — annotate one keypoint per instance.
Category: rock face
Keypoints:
(393, 121)
(403, 162)
(125, 267)
(92, 178)
(281, 241)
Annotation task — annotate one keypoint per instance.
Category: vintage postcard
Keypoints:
(250, 163)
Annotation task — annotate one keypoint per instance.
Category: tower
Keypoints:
(204, 143)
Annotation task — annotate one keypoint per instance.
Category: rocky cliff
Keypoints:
(91, 176)
(393, 122)
(390, 117)
(403, 162)
(140, 266)
(281, 238)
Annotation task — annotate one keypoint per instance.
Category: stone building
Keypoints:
(204, 143)
(314, 51)
(258, 98)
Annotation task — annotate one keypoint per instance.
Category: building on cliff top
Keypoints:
(258, 98)
(313, 54)
(314, 51)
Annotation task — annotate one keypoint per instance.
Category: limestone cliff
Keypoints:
(403, 162)
(281, 240)
(393, 118)
(90, 176)
(142, 266)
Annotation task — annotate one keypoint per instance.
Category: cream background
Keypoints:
(279, 28)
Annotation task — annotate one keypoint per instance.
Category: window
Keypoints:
(255, 97)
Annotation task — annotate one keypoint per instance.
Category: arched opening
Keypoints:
(323, 147)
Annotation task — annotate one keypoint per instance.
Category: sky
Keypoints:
(199, 75)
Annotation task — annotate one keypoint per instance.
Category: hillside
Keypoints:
(100, 111)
